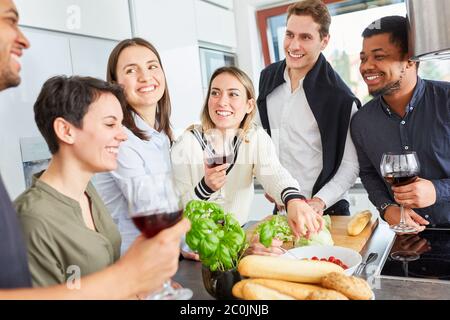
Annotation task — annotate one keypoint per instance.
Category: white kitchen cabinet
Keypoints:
(223, 3)
(90, 56)
(173, 33)
(215, 25)
(100, 18)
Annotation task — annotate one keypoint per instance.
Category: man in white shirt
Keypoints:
(306, 108)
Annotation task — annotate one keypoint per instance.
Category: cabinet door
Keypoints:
(90, 56)
(215, 25)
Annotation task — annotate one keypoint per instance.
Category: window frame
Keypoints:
(263, 15)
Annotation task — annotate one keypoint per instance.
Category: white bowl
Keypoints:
(348, 256)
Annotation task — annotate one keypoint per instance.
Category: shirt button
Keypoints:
(406, 147)
(410, 109)
(403, 122)
(427, 216)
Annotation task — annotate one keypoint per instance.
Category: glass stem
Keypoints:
(402, 215)
(167, 287)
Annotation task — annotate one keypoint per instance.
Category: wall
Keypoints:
(248, 48)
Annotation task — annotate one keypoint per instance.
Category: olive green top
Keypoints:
(60, 245)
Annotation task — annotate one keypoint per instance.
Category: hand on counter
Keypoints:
(419, 194)
(392, 216)
(258, 248)
(302, 218)
(190, 255)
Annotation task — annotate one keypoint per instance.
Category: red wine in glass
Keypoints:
(400, 178)
(154, 204)
(150, 224)
(399, 169)
(219, 160)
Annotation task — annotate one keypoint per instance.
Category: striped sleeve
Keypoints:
(202, 191)
(289, 194)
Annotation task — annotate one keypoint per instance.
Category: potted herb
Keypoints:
(220, 242)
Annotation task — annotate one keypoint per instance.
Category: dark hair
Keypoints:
(314, 8)
(396, 26)
(164, 106)
(69, 98)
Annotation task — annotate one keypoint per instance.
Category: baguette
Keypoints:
(359, 221)
(254, 291)
(237, 288)
(278, 268)
(299, 291)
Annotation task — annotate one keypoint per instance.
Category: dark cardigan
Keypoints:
(331, 103)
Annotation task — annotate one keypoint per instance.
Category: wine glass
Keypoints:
(398, 170)
(154, 204)
(218, 150)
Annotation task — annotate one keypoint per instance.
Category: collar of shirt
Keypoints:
(413, 103)
(36, 182)
(155, 136)
(288, 82)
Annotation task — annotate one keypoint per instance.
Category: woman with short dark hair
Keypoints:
(67, 228)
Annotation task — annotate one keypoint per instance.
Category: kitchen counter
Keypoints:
(189, 275)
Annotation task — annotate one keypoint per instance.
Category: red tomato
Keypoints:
(332, 259)
(314, 258)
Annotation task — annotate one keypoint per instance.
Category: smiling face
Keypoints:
(96, 144)
(12, 43)
(228, 102)
(139, 72)
(302, 43)
(383, 65)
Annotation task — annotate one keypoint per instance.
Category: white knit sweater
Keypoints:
(256, 156)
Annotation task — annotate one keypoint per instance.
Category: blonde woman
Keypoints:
(230, 109)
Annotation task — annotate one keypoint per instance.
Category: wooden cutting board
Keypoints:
(339, 233)
(342, 239)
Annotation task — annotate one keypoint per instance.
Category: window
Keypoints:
(211, 60)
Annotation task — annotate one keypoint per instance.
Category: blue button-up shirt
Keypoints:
(136, 158)
(425, 128)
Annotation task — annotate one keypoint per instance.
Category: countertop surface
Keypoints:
(189, 275)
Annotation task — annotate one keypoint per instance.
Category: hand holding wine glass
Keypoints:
(399, 170)
(154, 204)
(219, 155)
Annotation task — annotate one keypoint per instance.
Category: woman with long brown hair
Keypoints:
(136, 65)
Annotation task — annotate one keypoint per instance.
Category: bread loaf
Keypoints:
(254, 291)
(237, 288)
(352, 287)
(306, 271)
(359, 221)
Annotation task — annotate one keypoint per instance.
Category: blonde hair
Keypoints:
(245, 80)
